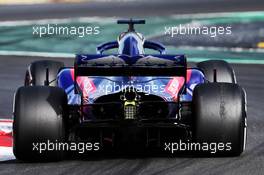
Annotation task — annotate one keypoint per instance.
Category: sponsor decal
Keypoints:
(174, 86)
(86, 84)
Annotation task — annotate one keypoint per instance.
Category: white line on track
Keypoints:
(6, 153)
(219, 15)
(98, 20)
(36, 54)
(225, 49)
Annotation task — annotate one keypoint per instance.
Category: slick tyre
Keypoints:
(36, 73)
(220, 118)
(39, 113)
(224, 71)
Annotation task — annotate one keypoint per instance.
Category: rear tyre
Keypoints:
(39, 114)
(36, 73)
(220, 117)
(224, 71)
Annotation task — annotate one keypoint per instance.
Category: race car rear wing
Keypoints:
(116, 65)
(130, 71)
(121, 65)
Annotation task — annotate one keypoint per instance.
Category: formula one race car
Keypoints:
(128, 101)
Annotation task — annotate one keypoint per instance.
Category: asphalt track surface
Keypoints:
(250, 77)
(12, 70)
(127, 8)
